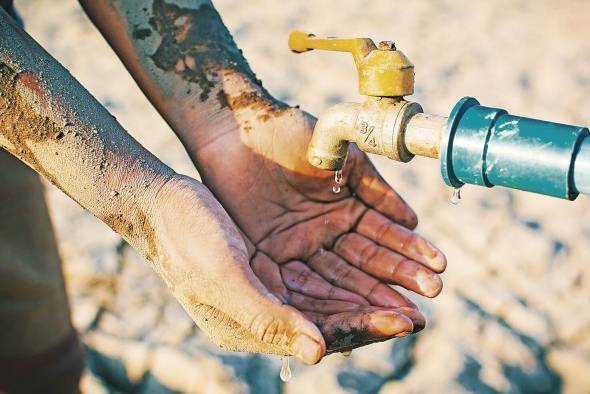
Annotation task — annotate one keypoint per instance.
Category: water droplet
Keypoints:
(347, 353)
(338, 177)
(456, 197)
(338, 181)
(285, 370)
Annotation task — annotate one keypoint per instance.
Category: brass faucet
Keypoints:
(476, 145)
(385, 123)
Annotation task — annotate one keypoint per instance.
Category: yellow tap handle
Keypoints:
(382, 71)
(359, 47)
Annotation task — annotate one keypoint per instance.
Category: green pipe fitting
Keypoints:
(487, 147)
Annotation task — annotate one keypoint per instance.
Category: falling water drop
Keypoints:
(337, 181)
(285, 369)
(456, 197)
(338, 176)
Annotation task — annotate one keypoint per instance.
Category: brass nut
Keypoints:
(387, 46)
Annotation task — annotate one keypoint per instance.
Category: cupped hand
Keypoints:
(330, 256)
(205, 261)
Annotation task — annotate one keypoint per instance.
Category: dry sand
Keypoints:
(514, 315)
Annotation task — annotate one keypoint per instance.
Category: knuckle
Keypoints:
(265, 328)
(341, 241)
(382, 230)
(367, 253)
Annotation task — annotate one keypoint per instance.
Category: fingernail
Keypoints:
(388, 323)
(429, 283)
(430, 252)
(437, 260)
(306, 349)
(416, 316)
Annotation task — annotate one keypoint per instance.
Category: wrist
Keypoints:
(132, 210)
(236, 101)
(190, 227)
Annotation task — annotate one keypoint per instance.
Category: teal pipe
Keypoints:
(489, 147)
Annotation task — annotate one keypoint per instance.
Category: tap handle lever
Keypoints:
(359, 47)
(382, 71)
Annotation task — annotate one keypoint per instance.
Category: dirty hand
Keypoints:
(204, 260)
(330, 256)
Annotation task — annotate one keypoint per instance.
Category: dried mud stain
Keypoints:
(25, 116)
(344, 336)
(140, 228)
(196, 45)
(256, 101)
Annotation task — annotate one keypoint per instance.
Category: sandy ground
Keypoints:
(514, 316)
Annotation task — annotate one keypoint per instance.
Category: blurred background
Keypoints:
(514, 316)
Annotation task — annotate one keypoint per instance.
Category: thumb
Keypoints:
(270, 321)
(206, 264)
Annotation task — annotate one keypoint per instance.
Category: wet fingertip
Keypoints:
(438, 262)
(436, 290)
(414, 314)
(307, 350)
(429, 283)
(412, 220)
(388, 323)
(419, 326)
(436, 287)
(442, 262)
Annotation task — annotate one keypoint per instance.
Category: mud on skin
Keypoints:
(196, 46)
(126, 228)
(340, 340)
(26, 115)
(20, 122)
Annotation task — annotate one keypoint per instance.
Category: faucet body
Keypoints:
(377, 126)
(476, 145)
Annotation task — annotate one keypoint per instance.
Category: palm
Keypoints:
(328, 255)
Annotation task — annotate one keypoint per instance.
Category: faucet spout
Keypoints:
(331, 136)
(378, 125)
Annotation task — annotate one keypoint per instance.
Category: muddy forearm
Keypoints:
(49, 121)
(183, 58)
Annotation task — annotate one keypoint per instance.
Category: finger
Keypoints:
(372, 189)
(349, 330)
(342, 274)
(382, 230)
(313, 230)
(300, 278)
(310, 304)
(387, 265)
(413, 313)
(269, 274)
(253, 306)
